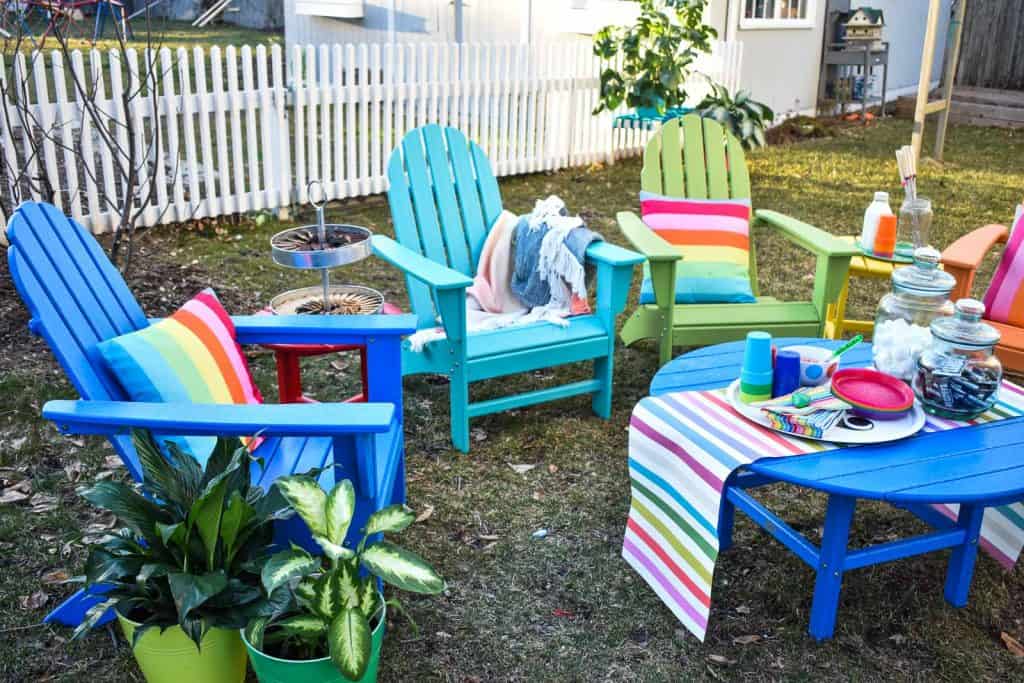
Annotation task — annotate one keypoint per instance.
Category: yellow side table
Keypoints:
(836, 323)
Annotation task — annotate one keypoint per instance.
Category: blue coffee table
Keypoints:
(976, 467)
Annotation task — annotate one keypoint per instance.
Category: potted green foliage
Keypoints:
(741, 115)
(334, 626)
(649, 62)
(183, 573)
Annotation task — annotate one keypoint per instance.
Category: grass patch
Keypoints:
(565, 607)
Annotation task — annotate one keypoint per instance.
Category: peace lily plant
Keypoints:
(337, 610)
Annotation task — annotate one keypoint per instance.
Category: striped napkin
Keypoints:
(682, 448)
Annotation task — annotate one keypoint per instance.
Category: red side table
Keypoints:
(289, 373)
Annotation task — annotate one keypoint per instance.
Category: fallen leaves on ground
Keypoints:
(16, 493)
(1012, 644)
(522, 468)
(721, 659)
(34, 601)
(745, 640)
(55, 576)
(43, 502)
(428, 510)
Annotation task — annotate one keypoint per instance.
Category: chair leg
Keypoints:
(961, 563)
(665, 340)
(838, 517)
(459, 391)
(602, 399)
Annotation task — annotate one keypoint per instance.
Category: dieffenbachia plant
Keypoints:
(744, 117)
(334, 605)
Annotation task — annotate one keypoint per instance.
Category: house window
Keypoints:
(777, 14)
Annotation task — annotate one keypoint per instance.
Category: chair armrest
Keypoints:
(320, 329)
(645, 240)
(606, 253)
(194, 419)
(812, 239)
(417, 266)
(969, 251)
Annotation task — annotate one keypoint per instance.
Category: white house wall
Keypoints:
(905, 22)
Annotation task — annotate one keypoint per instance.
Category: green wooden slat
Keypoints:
(473, 219)
(423, 199)
(739, 178)
(650, 176)
(444, 196)
(714, 152)
(400, 202)
(671, 159)
(693, 156)
(487, 184)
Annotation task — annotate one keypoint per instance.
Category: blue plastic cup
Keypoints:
(756, 375)
(786, 378)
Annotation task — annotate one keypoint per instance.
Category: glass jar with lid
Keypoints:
(920, 294)
(958, 376)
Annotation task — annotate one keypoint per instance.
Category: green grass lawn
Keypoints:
(565, 607)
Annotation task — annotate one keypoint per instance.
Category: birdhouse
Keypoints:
(864, 25)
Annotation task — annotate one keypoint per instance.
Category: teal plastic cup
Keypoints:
(757, 374)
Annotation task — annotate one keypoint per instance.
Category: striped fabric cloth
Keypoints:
(713, 238)
(682, 448)
(190, 357)
(1005, 296)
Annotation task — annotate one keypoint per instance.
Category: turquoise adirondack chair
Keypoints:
(77, 299)
(444, 198)
(695, 158)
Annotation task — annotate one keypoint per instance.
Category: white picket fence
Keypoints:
(239, 130)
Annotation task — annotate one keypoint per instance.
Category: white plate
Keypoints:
(880, 432)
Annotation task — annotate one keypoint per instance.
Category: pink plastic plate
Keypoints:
(872, 392)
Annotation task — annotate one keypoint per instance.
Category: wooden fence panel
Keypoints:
(992, 54)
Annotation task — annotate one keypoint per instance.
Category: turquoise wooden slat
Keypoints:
(468, 194)
(447, 205)
(473, 203)
(404, 221)
(490, 195)
(423, 204)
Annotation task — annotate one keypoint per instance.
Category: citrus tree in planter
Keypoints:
(183, 573)
(333, 627)
(650, 61)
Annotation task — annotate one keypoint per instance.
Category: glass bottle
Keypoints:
(920, 294)
(915, 222)
(958, 376)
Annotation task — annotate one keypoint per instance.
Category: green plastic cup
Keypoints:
(172, 657)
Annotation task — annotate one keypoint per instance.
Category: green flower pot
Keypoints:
(172, 657)
(274, 670)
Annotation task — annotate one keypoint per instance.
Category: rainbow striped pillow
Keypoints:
(190, 357)
(713, 237)
(1004, 299)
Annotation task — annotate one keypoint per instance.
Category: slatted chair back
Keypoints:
(76, 299)
(695, 158)
(444, 199)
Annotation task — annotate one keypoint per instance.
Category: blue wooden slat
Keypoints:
(490, 195)
(225, 419)
(473, 220)
(447, 204)
(404, 220)
(424, 207)
(313, 329)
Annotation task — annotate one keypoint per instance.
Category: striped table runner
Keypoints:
(682, 448)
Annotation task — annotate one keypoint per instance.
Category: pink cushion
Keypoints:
(1005, 296)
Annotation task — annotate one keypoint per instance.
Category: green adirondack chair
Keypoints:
(444, 199)
(695, 158)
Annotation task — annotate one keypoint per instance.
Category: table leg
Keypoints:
(838, 517)
(289, 377)
(961, 563)
(726, 515)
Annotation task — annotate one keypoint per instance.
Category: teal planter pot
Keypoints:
(275, 670)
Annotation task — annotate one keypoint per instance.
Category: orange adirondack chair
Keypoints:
(962, 259)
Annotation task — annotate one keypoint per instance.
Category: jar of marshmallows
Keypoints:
(920, 294)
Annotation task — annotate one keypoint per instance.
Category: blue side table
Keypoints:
(977, 467)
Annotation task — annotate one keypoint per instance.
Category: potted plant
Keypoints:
(183, 573)
(742, 116)
(650, 61)
(333, 627)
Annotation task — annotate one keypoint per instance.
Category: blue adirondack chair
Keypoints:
(77, 299)
(444, 199)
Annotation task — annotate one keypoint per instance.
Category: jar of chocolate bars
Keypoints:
(958, 376)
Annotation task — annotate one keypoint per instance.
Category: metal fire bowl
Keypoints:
(287, 303)
(322, 258)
